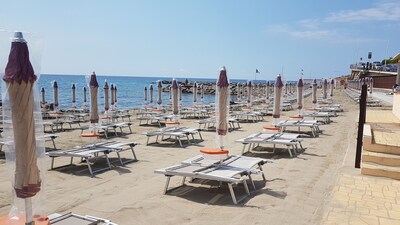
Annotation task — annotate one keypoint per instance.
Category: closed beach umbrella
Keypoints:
(175, 98)
(222, 108)
(151, 93)
(84, 98)
(325, 89)
(332, 86)
(94, 110)
(42, 91)
(202, 93)
(300, 95)
(267, 90)
(106, 96)
(73, 88)
(19, 78)
(115, 95)
(112, 91)
(194, 93)
(170, 93)
(371, 84)
(159, 89)
(55, 95)
(276, 113)
(145, 95)
(238, 91)
(249, 93)
(314, 92)
(180, 92)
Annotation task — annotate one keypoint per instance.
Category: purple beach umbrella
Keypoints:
(314, 92)
(175, 98)
(222, 108)
(106, 97)
(159, 89)
(300, 86)
(94, 109)
(73, 89)
(55, 95)
(276, 113)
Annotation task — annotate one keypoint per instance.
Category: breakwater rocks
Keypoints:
(208, 87)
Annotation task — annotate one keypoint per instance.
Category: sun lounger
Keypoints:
(233, 170)
(324, 117)
(46, 137)
(312, 124)
(248, 116)
(75, 219)
(291, 141)
(210, 123)
(117, 147)
(106, 127)
(177, 132)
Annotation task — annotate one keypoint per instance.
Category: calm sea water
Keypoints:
(129, 89)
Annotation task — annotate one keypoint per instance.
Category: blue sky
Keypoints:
(181, 38)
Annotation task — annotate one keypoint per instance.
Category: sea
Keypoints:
(130, 89)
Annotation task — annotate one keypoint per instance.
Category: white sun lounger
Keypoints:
(312, 124)
(46, 137)
(178, 133)
(291, 141)
(210, 123)
(233, 170)
(75, 219)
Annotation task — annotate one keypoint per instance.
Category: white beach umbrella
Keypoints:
(325, 89)
(106, 97)
(175, 98)
(180, 93)
(314, 92)
(267, 92)
(222, 108)
(151, 94)
(249, 93)
(112, 92)
(371, 84)
(159, 89)
(276, 113)
(300, 95)
(194, 93)
(202, 93)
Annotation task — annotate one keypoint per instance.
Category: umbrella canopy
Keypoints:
(277, 97)
(112, 91)
(115, 95)
(194, 93)
(332, 86)
(314, 91)
(159, 89)
(55, 93)
(202, 93)
(73, 88)
(175, 101)
(325, 89)
(94, 110)
(42, 91)
(222, 108)
(20, 78)
(180, 92)
(84, 95)
(106, 96)
(145, 95)
(300, 86)
(267, 92)
(151, 93)
(249, 93)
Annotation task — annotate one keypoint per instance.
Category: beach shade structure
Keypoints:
(73, 89)
(286, 89)
(249, 93)
(115, 96)
(300, 86)
(314, 92)
(202, 93)
(267, 92)
(151, 92)
(238, 91)
(94, 110)
(194, 93)
(159, 99)
(332, 86)
(276, 113)
(145, 95)
(43, 94)
(84, 98)
(170, 94)
(106, 97)
(175, 99)
(325, 89)
(371, 84)
(55, 95)
(112, 91)
(222, 108)
(19, 79)
(180, 93)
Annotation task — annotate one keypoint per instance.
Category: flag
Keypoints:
(257, 71)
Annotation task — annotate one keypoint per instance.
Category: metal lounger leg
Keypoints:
(232, 193)
(252, 182)
(289, 150)
(262, 172)
(166, 184)
(54, 143)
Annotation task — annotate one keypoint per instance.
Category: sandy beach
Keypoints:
(296, 191)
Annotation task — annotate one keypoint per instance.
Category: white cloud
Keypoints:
(315, 33)
(384, 11)
(310, 24)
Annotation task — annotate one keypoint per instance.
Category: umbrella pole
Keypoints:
(28, 212)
